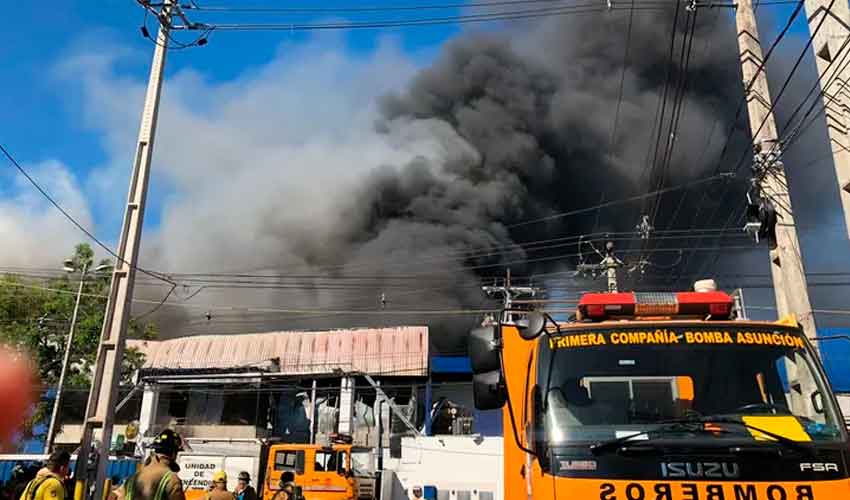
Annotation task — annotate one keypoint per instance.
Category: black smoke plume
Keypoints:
(525, 118)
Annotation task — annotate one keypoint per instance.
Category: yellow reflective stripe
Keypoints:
(129, 487)
(163, 483)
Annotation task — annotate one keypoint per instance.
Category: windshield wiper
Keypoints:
(668, 427)
(695, 425)
(709, 419)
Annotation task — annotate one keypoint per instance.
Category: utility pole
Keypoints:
(609, 264)
(829, 22)
(508, 293)
(100, 411)
(51, 431)
(786, 261)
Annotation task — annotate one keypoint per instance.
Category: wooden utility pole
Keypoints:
(786, 261)
(829, 23)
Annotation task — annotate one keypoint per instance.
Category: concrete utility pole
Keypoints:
(831, 22)
(508, 294)
(100, 412)
(66, 359)
(786, 262)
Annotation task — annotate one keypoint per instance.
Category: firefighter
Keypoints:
(287, 487)
(244, 490)
(219, 491)
(49, 483)
(157, 480)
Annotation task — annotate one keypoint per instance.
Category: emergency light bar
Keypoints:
(599, 306)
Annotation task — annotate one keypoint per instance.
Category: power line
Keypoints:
(68, 216)
(331, 311)
(622, 77)
(460, 19)
(732, 126)
(382, 8)
(667, 81)
(772, 108)
(837, 312)
(678, 104)
(561, 215)
(803, 125)
(787, 81)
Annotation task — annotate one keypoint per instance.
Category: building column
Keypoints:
(346, 406)
(428, 407)
(147, 415)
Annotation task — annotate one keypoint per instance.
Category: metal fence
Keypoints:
(119, 468)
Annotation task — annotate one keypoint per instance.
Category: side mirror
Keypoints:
(488, 390)
(531, 326)
(484, 346)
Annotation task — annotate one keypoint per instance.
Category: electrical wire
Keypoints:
(732, 126)
(613, 139)
(770, 113)
(803, 125)
(678, 104)
(622, 77)
(371, 9)
(71, 219)
(460, 19)
(673, 128)
(622, 201)
(667, 81)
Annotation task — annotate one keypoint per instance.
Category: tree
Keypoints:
(35, 317)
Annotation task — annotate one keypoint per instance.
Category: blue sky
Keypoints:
(45, 124)
(45, 93)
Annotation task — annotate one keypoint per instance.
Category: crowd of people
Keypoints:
(156, 480)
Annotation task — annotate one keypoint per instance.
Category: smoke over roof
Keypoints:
(417, 203)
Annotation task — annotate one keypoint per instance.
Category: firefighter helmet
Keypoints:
(168, 442)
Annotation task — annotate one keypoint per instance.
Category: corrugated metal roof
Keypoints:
(397, 351)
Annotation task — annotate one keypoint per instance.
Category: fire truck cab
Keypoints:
(322, 472)
(660, 396)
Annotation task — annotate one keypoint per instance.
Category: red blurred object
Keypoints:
(16, 391)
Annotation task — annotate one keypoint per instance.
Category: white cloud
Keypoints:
(33, 233)
(250, 160)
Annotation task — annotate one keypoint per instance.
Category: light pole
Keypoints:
(51, 431)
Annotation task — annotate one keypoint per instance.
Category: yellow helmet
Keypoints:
(220, 476)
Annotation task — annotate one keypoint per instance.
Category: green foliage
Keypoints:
(35, 317)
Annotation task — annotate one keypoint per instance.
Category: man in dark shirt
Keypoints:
(244, 490)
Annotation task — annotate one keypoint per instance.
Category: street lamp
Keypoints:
(69, 267)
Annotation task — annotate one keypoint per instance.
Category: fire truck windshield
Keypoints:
(598, 384)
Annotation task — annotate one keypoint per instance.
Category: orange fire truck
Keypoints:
(660, 396)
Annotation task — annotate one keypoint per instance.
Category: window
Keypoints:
(361, 463)
(240, 409)
(603, 391)
(330, 461)
(323, 459)
(285, 460)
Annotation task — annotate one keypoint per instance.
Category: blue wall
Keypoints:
(486, 423)
(835, 355)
